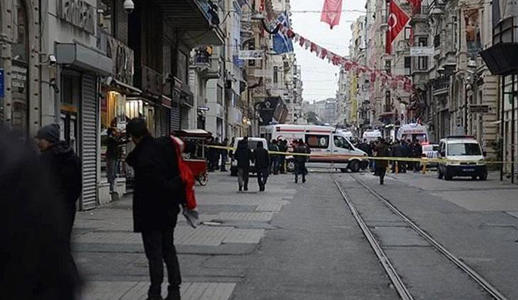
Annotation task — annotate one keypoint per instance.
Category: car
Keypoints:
(252, 145)
(430, 151)
(462, 156)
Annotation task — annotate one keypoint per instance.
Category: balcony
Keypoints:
(207, 64)
(440, 85)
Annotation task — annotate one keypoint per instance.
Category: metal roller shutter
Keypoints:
(175, 117)
(89, 142)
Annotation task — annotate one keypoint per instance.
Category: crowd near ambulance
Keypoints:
(406, 149)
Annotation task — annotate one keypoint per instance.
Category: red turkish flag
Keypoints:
(397, 20)
(331, 12)
(416, 6)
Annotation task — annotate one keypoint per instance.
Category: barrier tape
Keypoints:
(401, 159)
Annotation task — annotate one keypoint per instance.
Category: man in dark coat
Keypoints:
(262, 161)
(397, 151)
(113, 155)
(243, 156)
(157, 195)
(283, 147)
(300, 160)
(224, 155)
(35, 258)
(64, 168)
(416, 151)
(382, 150)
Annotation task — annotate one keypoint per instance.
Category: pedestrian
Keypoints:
(382, 150)
(113, 155)
(405, 153)
(35, 258)
(224, 155)
(300, 160)
(262, 161)
(397, 151)
(417, 151)
(243, 156)
(283, 147)
(64, 171)
(156, 204)
(274, 157)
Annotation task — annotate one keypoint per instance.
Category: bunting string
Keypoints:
(387, 80)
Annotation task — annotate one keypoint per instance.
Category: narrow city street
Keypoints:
(300, 241)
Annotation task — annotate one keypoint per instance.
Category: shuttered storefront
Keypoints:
(175, 117)
(88, 115)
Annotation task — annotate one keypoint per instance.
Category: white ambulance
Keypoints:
(329, 147)
(413, 132)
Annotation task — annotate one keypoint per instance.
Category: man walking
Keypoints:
(64, 167)
(243, 156)
(283, 147)
(382, 150)
(275, 157)
(224, 155)
(156, 203)
(300, 160)
(262, 161)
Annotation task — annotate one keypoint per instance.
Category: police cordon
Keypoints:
(389, 158)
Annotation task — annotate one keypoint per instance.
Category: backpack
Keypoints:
(185, 174)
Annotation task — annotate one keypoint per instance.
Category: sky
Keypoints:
(320, 78)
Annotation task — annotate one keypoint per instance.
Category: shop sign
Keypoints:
(2, 94)
(251, 54)
(19, 77)
(421, 51)
(78, 13)
(123, 59)
(479, 108)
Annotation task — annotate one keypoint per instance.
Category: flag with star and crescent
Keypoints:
(397, 21)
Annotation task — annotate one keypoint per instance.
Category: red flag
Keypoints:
(331, 12)
(396, 21)
(416, 6)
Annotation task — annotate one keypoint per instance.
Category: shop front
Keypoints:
(80, 70)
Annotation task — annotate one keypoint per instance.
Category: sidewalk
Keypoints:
(112, 260)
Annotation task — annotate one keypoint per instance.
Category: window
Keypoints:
(317, 141)
(341, 142)
(464, 149)
(275, 75)
(107, 16)
(408, 62)
(388, 67)
(422, 63)
(220, 95)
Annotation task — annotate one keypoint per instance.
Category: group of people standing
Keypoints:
(397, 148)
(268, 161)
(217, 158)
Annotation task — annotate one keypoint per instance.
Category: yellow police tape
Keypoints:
(352, 157)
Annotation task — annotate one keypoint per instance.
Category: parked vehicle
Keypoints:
(430, 151)
(329, 147)
(463, 157)
(252, 144)
(413, 132)
(372, 135)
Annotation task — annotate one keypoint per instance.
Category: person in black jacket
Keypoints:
(243, 156)
(35, 258)
(64, 168)
(262, 162)
(300, 160)
(156, 198)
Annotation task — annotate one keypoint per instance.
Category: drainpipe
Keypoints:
(502, 128)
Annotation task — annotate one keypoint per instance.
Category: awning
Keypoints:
(501, 59)
(124, 88)
(82, 57)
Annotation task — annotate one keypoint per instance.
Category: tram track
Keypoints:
(384, 259)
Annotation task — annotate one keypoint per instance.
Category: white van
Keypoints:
(323, 140)
(372, 135)
(463, 157)
(252, 145)
(413, 132)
